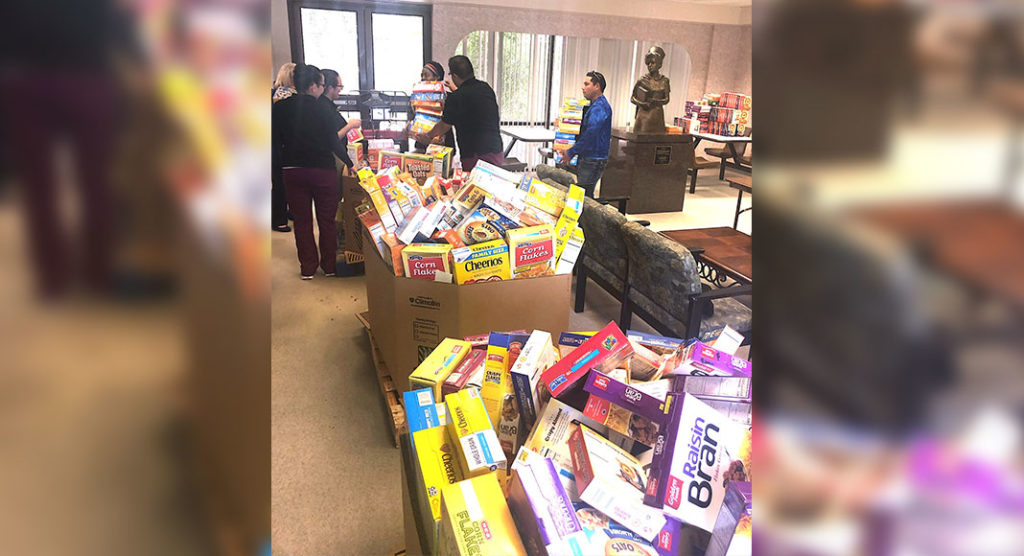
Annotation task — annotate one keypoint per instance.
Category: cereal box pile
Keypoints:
(589, 442)
(431, 223)
(725, 114)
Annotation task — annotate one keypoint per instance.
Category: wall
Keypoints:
(719, 52)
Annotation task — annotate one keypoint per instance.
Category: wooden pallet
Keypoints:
(396, 421)
(353, 258)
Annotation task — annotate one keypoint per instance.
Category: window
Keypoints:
(330, 41)
(397, 51)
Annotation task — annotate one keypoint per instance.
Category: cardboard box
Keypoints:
(439, 364)
(470, 429)
(698, 356)
(541, 508)
(734, 522)
(475, 520)
(612, 481)
(459, 378)
(538, 354)
(420, 410)
(352, 196)
(531, 251)
(510, 429)
(482, 262)
(697, 450)
(409, 317)
(427, 261)
(605, 350)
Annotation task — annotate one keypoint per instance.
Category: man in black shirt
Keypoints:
(305, 134)
(473, 110)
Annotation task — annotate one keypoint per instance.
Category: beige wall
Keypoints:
(719, 53)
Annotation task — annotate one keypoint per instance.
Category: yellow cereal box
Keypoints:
(438, 365)
(470, 196)
(424, 261)
(475, 520)
(482, 262)
(531, 251)
(547, 198)
(438, 467)
(470, 430)
(569, 220)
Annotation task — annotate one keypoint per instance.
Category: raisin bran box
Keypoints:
(532, 251)
(604, 350)
(475, 520)
(623, 408)
(471, 431)
(696, 455)
(612, 481)
(444, 359)
(426, 261)
(482, 262)
(542, 509)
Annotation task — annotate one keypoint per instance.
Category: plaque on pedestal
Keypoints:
(650, 169)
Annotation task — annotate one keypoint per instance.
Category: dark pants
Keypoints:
(588, 172)
(79, 113)
(319, 187)
(278, 200)
(469, 162)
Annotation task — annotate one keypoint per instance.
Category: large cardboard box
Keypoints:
(410, 317)
(352, 196)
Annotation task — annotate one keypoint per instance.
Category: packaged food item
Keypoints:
(394, 250)
(661, 345)
(482, 262)
(438, 365)
(354, 135)
(542, 509)
(471, 431)
(422, 123)
(538, 354)
(547, 198)
(697, 453)
(371, 221)
(388, 159)
(427, 261)
(420, 410)
(421, 166)
(733, 524)
(603, 535)
(569, 341)
(484, 224)
(698, 356)
(571, 252)
(510, 429)
(610, 480)
(550, 438)
(532, 251)
(496, 380)
(369, 184)
(459, 378)
(644, 365)
(437, 466)
(409, 229)
(603, 351)
(623, 408)
(442, 159)
(355, 152)
(470, 196)
(475, 520)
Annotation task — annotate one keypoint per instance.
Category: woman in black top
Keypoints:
(306, 140)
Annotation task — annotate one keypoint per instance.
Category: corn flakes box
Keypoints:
(532, 251)
(470, 429)
(475, 520)
(388, 159)
(437, 467)
(482, 262)
(432, 372)
(427, 261)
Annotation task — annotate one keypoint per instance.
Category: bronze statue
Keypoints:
(651, 94)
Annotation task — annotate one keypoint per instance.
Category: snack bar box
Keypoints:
(409, 317)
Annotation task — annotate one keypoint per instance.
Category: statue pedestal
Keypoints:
(650, 169)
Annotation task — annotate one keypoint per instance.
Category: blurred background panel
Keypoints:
(135, 330)
(891, 257)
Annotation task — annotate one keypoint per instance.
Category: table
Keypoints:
(527, 135)
(980, 244)
(729, 142)
(743, 184)
(721, 253)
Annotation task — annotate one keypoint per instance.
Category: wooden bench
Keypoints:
(742, 184)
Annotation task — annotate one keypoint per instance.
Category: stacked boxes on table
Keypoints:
(726, 114)
(610, 464)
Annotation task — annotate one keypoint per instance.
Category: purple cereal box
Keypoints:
(540, 506)
(618, 393)
(698, 358)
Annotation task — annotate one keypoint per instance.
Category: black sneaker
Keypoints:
(286, 228)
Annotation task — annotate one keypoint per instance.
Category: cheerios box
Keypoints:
(438, 466)
(475, 520)
(471, 431)
(427, 261)
(532, 251)
(432, 372)
(483, 262)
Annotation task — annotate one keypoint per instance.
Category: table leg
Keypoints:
(735, 155)
(739, 202)
(510, 145)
